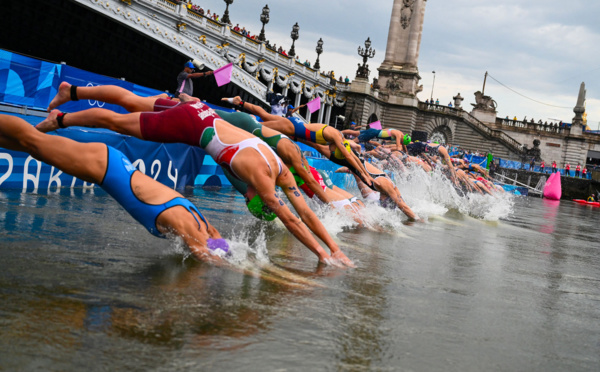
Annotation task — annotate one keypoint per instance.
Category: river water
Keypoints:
(500, 284)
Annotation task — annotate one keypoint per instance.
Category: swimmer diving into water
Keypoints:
(160, 209)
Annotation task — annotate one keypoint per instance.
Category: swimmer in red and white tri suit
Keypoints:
(196, 124)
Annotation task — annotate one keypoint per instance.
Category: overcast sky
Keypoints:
(542, 50)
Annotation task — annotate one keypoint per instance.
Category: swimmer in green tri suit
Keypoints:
(287, 149)
(320, 134)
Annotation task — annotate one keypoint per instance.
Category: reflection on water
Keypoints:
(84, 287)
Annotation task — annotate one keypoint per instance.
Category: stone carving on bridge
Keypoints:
(485, 103)
(394, 84)
(406, 13)
(535, 152)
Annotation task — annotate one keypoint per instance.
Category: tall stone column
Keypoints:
(399, 73)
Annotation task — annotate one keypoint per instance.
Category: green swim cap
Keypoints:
(406, 140)
(259, 210)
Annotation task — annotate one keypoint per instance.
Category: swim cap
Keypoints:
(259, 210)
(190, 65)
(406, 140)
(290, 107)
(214, 244)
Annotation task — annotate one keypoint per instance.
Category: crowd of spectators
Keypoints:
(556, 127)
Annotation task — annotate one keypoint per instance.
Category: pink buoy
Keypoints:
(553, 190)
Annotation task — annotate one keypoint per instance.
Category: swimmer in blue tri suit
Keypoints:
(160, 209)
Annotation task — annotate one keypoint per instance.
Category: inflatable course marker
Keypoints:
(553, 190)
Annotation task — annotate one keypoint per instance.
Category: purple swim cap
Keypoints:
(214, 244)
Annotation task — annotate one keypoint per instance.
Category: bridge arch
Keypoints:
(441, 129)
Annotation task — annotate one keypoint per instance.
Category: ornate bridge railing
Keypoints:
(215, 45)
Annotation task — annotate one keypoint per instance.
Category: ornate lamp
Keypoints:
(225, 18)
(366, 52)
(294, 35)
(319, 51)
(264, 18)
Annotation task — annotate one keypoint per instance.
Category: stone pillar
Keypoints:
(321, 110)
(327, 114)
(404, 35)
(399, 73)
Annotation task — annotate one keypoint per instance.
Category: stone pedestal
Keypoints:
(486, 116)
(360, 85)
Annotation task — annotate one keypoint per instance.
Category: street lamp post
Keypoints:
(366, 52)
(432, 85)
(264, 18)
(319, 51)
(294, 35)
(225, 18)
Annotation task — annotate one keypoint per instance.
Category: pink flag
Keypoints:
(314, 105)
(223, 74)
(375, 125)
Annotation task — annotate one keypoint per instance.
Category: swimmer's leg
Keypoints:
(104, 93)
(86, 161)
(95, 118)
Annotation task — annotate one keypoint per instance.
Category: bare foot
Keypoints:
(183, 97)
(63, 96)
(50, 123)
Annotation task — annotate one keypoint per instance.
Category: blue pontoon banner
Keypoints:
(28, 82)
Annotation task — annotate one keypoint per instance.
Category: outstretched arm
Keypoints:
(254, 109)
(288, 185)
(200, 74)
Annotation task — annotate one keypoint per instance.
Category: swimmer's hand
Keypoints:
(340, 257)
(234, 101)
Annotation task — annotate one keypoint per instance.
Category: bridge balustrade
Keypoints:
(528, 125)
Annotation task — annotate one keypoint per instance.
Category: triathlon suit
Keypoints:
(322, 178)
(338, 158)
(385, 134)
(300, 131)
(192, 123)
(251, 125)
(368, 134)
(117, 183)
(162, 104)
(417, 148)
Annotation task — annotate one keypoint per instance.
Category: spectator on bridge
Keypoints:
(577, 170)
(584, 173)
(237, 28)
(542, 166)
(532, 164)
(567, 169)
(346, 79)
(184, 79)
(427, 101)
(437, 101)
(450, 104)
(515, 118)
(554, 169)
